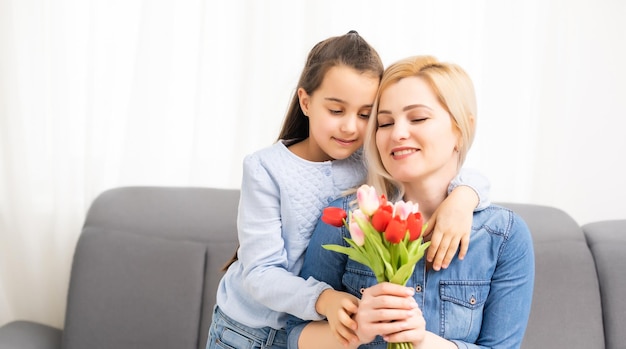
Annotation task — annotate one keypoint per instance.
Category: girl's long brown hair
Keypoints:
(349, 50)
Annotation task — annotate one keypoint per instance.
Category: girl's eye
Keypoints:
(364, 116)
(334, 112)
(416, 120)
(384, 124)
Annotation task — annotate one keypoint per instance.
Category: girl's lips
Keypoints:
(344, 142)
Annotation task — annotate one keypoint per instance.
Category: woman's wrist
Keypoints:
(432, 341)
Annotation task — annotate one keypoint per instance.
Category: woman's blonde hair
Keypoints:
(454, 91)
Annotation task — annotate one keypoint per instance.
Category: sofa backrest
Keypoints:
(607, 241)
(566, 310)
(147, 265)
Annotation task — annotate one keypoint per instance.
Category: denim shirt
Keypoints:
(482, 301)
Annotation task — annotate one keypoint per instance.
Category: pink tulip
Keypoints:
(356, 233)
(367, 199)
(403, 209)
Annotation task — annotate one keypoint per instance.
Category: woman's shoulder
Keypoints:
(500, 220)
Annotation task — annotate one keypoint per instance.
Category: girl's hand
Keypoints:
(389, 310)
(451, 225)
(338, 307)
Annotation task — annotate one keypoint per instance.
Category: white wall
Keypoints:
(97, 94)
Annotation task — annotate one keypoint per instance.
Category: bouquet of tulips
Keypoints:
(385, 236)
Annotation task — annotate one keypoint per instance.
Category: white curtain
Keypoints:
(96, 94)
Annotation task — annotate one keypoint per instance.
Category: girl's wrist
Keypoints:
(467, 195)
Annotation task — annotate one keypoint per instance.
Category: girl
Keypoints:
(424, 124)
(286, 186)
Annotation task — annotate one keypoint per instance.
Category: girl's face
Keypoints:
(338, 112)
(415, 138)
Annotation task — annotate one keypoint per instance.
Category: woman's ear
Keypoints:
(458, 146)
(304, 99)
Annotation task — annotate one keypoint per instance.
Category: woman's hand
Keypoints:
(390, 310)
(451, 225)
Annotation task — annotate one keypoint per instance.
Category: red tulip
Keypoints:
(381, 218)
(396, 230)
(334, 216)
(414, 224)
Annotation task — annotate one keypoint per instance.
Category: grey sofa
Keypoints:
(148, 261)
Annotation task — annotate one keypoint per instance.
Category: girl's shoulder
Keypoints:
(273, 156)
(275, 149)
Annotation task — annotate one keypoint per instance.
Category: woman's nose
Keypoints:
(400, 130)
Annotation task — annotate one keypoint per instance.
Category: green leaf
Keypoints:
(405, 271)
(403, 253)
(389, 273)
(351, 252)
(403, 274)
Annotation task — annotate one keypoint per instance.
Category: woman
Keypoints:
(424, 124)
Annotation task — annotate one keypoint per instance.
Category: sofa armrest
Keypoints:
(29, 335)
(607, 241)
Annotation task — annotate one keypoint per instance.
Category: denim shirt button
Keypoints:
(472, 301)
(362, 290)
(418, 288)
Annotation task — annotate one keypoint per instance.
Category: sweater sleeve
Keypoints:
(475, 180)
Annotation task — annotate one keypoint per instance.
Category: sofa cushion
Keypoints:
(134, 291)
(29, 335)
(607, 241)
(204, 215)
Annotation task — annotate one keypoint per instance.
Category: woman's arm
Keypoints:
(506, 311)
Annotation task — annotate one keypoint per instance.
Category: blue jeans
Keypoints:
(226, 333)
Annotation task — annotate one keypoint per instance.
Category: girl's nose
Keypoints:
(349, 124)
